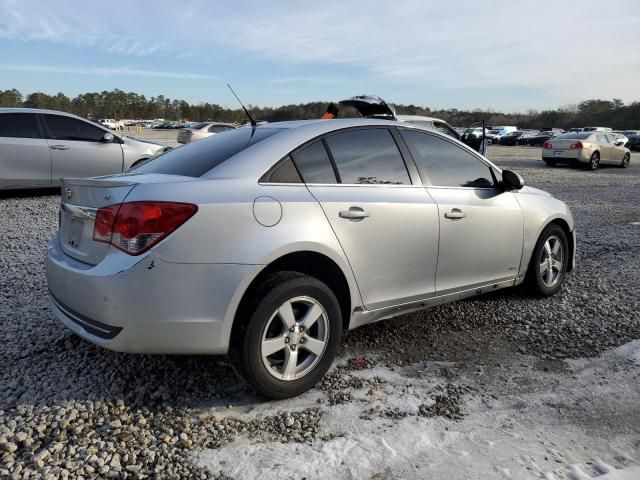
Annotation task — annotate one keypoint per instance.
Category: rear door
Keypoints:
(387, 226)
(614, 152)
(78, 150)
(24, 153)
(481, 226)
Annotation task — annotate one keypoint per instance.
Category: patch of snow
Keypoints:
(521, 423)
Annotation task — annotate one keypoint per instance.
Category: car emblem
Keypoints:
(68, 193)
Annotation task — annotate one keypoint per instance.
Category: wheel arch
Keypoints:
(308, 262)
(562, 223)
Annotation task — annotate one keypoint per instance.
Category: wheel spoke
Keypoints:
(273, 345)
(543, 267)
(555, 248)
(548, 276)
(557, 265)
(290, 364)
(286, 314)
(547, 248)
(314, 345)
(312, 316)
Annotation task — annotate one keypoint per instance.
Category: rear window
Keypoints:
(197, 158)
(574, 135)
(198, 126)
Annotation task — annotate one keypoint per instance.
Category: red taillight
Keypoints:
(576, 146)
(546, 145)
(135, 227)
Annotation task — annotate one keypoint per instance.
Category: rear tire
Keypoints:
(549, 262)
(626, 160)
(594, 161)
(277, 346)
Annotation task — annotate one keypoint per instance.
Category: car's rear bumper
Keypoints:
(566, 155)
(152, 306)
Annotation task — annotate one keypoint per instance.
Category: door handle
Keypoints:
(59, 147)
(354, 213)
(455, 214)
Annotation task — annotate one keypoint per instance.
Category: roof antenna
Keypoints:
(251, 119)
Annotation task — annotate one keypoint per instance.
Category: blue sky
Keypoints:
(508, 56)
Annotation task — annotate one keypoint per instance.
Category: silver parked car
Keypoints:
(39, 147)
(266, 243)
(202, 130)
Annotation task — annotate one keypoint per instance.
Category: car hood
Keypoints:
(535, 191)
(134, 139)
(370, 106)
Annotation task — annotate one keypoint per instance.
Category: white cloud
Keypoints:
(571, 50)
(106, 72)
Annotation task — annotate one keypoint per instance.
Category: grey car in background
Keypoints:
(39, 147)
(266, 243)
(202, 130)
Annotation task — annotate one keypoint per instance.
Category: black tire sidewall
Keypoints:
(255, 372)
(535, 282)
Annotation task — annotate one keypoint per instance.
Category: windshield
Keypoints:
(197, 158)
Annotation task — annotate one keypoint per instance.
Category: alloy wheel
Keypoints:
(626, 160)
(295, 338)
(551, 261)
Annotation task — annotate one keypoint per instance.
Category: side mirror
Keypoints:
(511, 180)
(108, 137)
(619, 143)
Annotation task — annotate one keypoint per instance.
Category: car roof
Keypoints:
(295, 133)
(408, 118)
(36, 110)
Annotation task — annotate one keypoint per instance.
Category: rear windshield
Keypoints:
(199, 125)
(197, 158)
(575, 135)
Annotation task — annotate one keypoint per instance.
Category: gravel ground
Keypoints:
(70, 409)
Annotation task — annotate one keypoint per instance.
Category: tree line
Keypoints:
(129, 105)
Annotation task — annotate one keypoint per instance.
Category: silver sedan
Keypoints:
(202, 130)
(39, 147)
(267, 243)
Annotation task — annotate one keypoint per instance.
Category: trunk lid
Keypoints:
(80, 200)
(563, 144)
(371, 106)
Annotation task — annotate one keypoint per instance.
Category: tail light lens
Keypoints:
(546, 145)
(576, 146)
(135, 227)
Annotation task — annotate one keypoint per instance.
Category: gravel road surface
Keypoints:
(69, 409)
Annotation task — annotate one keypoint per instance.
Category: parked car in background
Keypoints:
(538, 139)
(628, 133)
(266, 243)
(590, 149)
(511, 138)
(372, 106)
(202, 130)
(575, 129)
(496, 133)
(620, 138)
(108, 123)
(596, 129)
(38, 147)
(634, 143)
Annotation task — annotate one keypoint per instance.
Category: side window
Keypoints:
(285, 173)
(19, 125)
(217, 128)
(68, 128)
(601, 138)
(368, 156)
(446, 164)
(314, 164)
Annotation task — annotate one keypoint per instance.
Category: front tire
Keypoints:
(626, 160)
(287, 337)
(549, 262)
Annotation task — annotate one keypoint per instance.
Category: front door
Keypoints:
(388, 228)
(481, 226)
(78, 150)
